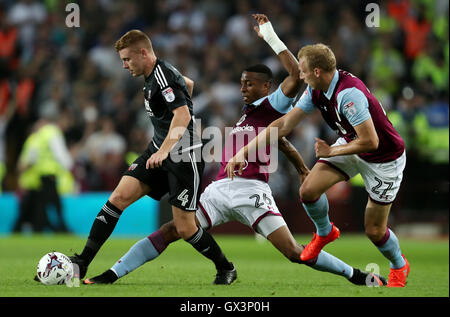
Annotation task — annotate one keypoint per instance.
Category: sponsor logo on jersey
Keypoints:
(168, 94)
(132, 167)
(246, 128)
(241, 120)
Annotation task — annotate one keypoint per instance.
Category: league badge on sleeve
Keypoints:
(350, 108)
(168, 94)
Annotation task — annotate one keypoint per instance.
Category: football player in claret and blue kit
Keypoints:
(368, 144)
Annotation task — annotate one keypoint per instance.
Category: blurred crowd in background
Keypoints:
(73, 77)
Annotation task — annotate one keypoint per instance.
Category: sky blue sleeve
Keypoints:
(353, 104)
(279, 101)
(305, 102)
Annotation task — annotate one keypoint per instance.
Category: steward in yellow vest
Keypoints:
(44, 166)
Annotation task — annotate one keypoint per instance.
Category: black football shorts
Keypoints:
(181, 177)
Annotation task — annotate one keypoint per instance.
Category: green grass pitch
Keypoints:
(262, 272)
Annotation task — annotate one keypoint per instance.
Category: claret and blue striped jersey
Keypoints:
(254, 119)
(348, 103)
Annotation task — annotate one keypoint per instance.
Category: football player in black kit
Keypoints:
(171, 164)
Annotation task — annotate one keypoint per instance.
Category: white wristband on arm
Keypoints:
(271, 37)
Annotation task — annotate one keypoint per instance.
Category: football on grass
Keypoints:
(54, 268)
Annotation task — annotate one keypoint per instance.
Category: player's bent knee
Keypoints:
(121, 199)
(127, 192)
(375, 233)
(307, 194)
(186, 231)
(184, 222)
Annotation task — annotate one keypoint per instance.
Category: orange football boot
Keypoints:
(88, 281)
(317, 243)
(397, 277)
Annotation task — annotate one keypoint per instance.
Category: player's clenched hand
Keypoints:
(322, 148)
(261, 19)
(156, 159)
(236, 162)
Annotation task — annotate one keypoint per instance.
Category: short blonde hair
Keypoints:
(318, 55)
(133, 38)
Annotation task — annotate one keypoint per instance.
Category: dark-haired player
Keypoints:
(155, 172)
(248, 199)
(368, 145)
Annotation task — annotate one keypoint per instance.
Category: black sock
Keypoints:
(204, 243)
(101, 229)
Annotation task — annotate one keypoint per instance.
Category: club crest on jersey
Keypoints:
(147, 107)
(168, 94)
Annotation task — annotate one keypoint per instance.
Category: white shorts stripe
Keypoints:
(193, 204)
(193, 147)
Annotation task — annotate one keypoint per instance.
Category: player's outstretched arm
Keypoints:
(291, 84)
(294, 157)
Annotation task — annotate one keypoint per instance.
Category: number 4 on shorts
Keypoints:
(183, 197)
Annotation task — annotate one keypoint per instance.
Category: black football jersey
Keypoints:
(164, 91)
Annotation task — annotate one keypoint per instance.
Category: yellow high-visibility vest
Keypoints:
(37, 145)
(432, 142)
